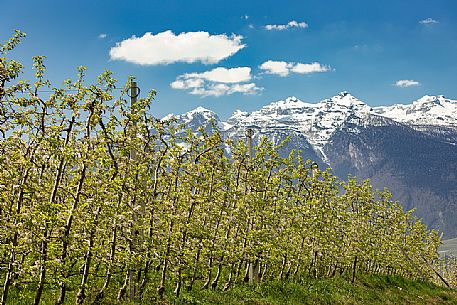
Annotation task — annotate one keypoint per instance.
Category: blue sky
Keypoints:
(228, 55)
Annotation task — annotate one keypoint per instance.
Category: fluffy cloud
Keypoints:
(223, 75)
(167, 48)
(187, 83)
(290, 24)
(428, 21)
(217, 82)
(224, 89)
(314, 67)
(403, 83)
(283, 68)
(280, 68)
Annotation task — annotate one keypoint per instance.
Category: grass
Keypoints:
(372, 289)
(366, 290)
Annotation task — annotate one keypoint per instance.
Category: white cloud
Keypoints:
(224, 89)
(280, 68)
(217, 82)
(102, 36)
(211, 90)
(290, 24)
(403, 83)
(187, 83)
(283, 68)
(428, 21)
(249, 88)
(167, 48)
(223, 75)
(314, 67)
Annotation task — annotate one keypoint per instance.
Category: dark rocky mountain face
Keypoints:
(418, 168)
(410, 149)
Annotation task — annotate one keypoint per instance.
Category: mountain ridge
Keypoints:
(409, 148)
(430, 110)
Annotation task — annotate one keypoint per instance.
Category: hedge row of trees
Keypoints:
(98, 199)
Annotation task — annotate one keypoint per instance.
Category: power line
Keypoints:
(68, 90)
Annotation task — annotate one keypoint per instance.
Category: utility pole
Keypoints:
(133, 92)
(315, 169)
(253, 266)
(249, 134)
(133, 95)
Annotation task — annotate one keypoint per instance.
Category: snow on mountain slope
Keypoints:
(428, 110)
(198, 113)
(317, 121)
(198, 117)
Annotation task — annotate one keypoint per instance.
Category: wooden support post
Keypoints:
(253, 268)
(314, 169)
(131, 272)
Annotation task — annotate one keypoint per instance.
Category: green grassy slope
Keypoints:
(366, 290)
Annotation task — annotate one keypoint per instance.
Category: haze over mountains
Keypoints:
(411, 149)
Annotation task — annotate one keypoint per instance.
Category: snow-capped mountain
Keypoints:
(428, 110)
(411, 149)
(199, 117)
(317, 121)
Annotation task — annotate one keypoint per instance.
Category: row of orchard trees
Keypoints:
(99, 200)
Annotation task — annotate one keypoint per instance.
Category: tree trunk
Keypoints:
(82, 287)
(44, 257)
